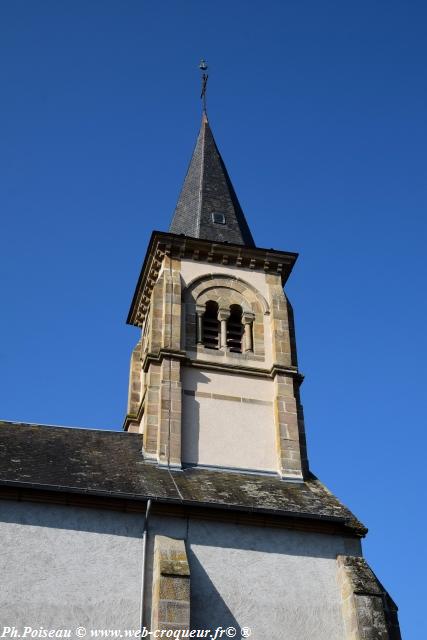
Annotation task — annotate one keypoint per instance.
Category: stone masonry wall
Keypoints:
(135, 383)
(169, 432)
(162, 396)
(170, 609)
(368, 611)
(289, 418)
(282, 351)
(162, 411)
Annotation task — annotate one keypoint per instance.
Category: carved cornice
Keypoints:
(180, 246)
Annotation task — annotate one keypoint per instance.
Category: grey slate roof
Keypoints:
(110, 463)
(207, 189)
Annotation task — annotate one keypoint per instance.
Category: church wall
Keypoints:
(83, 567)
(278, 582)
(228, 421)
(69, 566)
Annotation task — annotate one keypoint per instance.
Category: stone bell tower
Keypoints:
(214, 378)
(214, 391)
(209, 519)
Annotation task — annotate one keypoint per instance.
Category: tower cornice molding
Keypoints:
(270, 261)
(260, 372)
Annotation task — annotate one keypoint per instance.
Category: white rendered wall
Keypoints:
(232, 428)
(62, 567)
(280, 583)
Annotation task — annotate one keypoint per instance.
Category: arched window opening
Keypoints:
(211, 326)
(235, 329)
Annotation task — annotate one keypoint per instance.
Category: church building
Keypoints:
(202, 513)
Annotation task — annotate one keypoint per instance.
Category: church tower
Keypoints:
(215, 389)
(214, 378)
(203, 516)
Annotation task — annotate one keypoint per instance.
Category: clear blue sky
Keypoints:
(319, 109)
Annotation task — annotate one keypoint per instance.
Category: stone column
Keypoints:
(223, 315)
(199, 324)
(247, 320)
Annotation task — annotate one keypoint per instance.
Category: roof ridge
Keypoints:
(202, 169)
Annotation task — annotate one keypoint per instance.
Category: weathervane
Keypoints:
(203, 68)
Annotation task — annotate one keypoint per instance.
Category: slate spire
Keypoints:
(208, 207)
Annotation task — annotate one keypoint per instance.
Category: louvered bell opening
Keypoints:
(235, 329)
(211, 326)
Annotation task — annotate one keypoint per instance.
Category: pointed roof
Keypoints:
(208, 207)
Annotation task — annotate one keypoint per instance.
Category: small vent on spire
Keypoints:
(218, 218)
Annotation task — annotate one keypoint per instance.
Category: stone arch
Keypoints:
(224, 297)
(225, 290)
(213, 280)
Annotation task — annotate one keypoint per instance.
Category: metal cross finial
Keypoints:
(203, 68)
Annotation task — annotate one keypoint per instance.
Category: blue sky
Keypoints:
(319, 110)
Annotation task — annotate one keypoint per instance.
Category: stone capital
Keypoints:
(248, 317)
(223, 314)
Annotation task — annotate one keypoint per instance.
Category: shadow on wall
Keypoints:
(191, 419)
(283, 542)
(73, 518)
(204, 594)
(292, 337)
